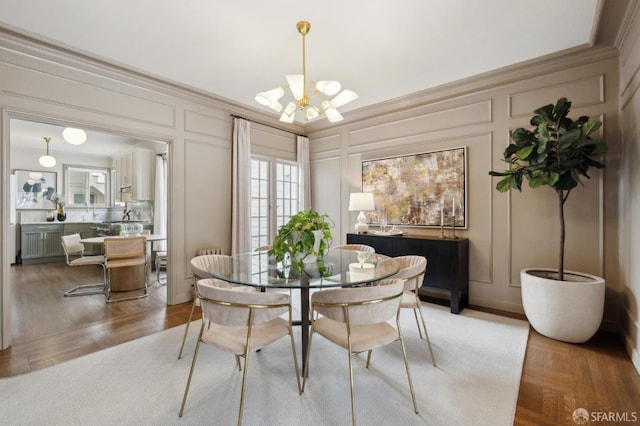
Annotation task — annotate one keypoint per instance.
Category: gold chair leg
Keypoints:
(193, 363)
(415, 314)
(295, 358)
(186, 330)
(406, 365)
(305, 373)
(353, 399)
(424, 325)
(244, 383)
(369, 357)
(238, 362)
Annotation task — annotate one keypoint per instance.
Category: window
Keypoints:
(273, 183)
(86, 186)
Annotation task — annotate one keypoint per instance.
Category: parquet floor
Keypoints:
(47, 329)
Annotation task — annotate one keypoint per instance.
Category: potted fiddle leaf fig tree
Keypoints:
(557, 153)
(304, 239)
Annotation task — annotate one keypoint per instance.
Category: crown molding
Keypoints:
(29, 44)
(26, 44)
(543, 65)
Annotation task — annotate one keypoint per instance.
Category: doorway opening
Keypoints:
(91, 197)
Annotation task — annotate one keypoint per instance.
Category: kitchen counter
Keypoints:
(55, 222)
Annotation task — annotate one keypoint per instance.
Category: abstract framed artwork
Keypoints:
(427, 189)
(34, 189)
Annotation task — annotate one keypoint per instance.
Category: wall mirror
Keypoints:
(87, 186)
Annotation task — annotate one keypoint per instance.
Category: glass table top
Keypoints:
(337, 269)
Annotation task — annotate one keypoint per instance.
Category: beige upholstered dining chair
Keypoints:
(412, 270)
(126, 253)
(356, 319)
(240, 322)
(199, 268)
(356, 247)
(74, 254)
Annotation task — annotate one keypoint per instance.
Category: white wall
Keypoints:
(507, 232)
(630, 184)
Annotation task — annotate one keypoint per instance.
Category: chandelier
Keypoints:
(323, 90)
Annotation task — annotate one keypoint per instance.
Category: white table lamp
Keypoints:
(361, 201)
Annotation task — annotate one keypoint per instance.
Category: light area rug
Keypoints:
(479, 360)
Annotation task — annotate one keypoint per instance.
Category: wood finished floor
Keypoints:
(48, 329)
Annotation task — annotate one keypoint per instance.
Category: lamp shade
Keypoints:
(361, 201)
(47, 161)
(296, 85)
(329, 88)
(343, 98)
(270, 98)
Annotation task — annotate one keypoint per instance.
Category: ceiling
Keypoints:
(380, 49)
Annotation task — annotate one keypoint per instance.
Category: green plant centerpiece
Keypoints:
(305, 238)
(556, 153)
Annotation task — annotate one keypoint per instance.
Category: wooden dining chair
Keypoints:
(357, 320)
(74, 255)
(130, 253)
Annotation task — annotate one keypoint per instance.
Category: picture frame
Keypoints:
(423, 190)
(34, 189)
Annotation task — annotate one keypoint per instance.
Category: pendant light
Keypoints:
(47, 160)
(74, 136)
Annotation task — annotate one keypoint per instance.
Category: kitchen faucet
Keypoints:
(126, 214)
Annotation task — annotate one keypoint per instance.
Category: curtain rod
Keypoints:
(267, 125)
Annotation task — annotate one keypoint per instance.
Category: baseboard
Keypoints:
(630, 330)
(515, 308)
(633, 353)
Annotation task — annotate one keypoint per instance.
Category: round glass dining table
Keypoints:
(338, 268)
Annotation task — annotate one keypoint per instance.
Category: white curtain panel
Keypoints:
(241, 187)
(160, 207)
(304, 187)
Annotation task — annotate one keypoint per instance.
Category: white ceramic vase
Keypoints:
(309, 257)
(570, 310)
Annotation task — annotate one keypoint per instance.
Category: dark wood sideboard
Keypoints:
(447, 263)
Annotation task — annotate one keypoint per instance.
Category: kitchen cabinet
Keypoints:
(137, 170)
(41, 242)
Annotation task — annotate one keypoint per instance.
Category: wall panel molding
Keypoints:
(586, 91)
(56, 90)
(424, 122)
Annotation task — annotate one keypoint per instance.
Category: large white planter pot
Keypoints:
(570, 310)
